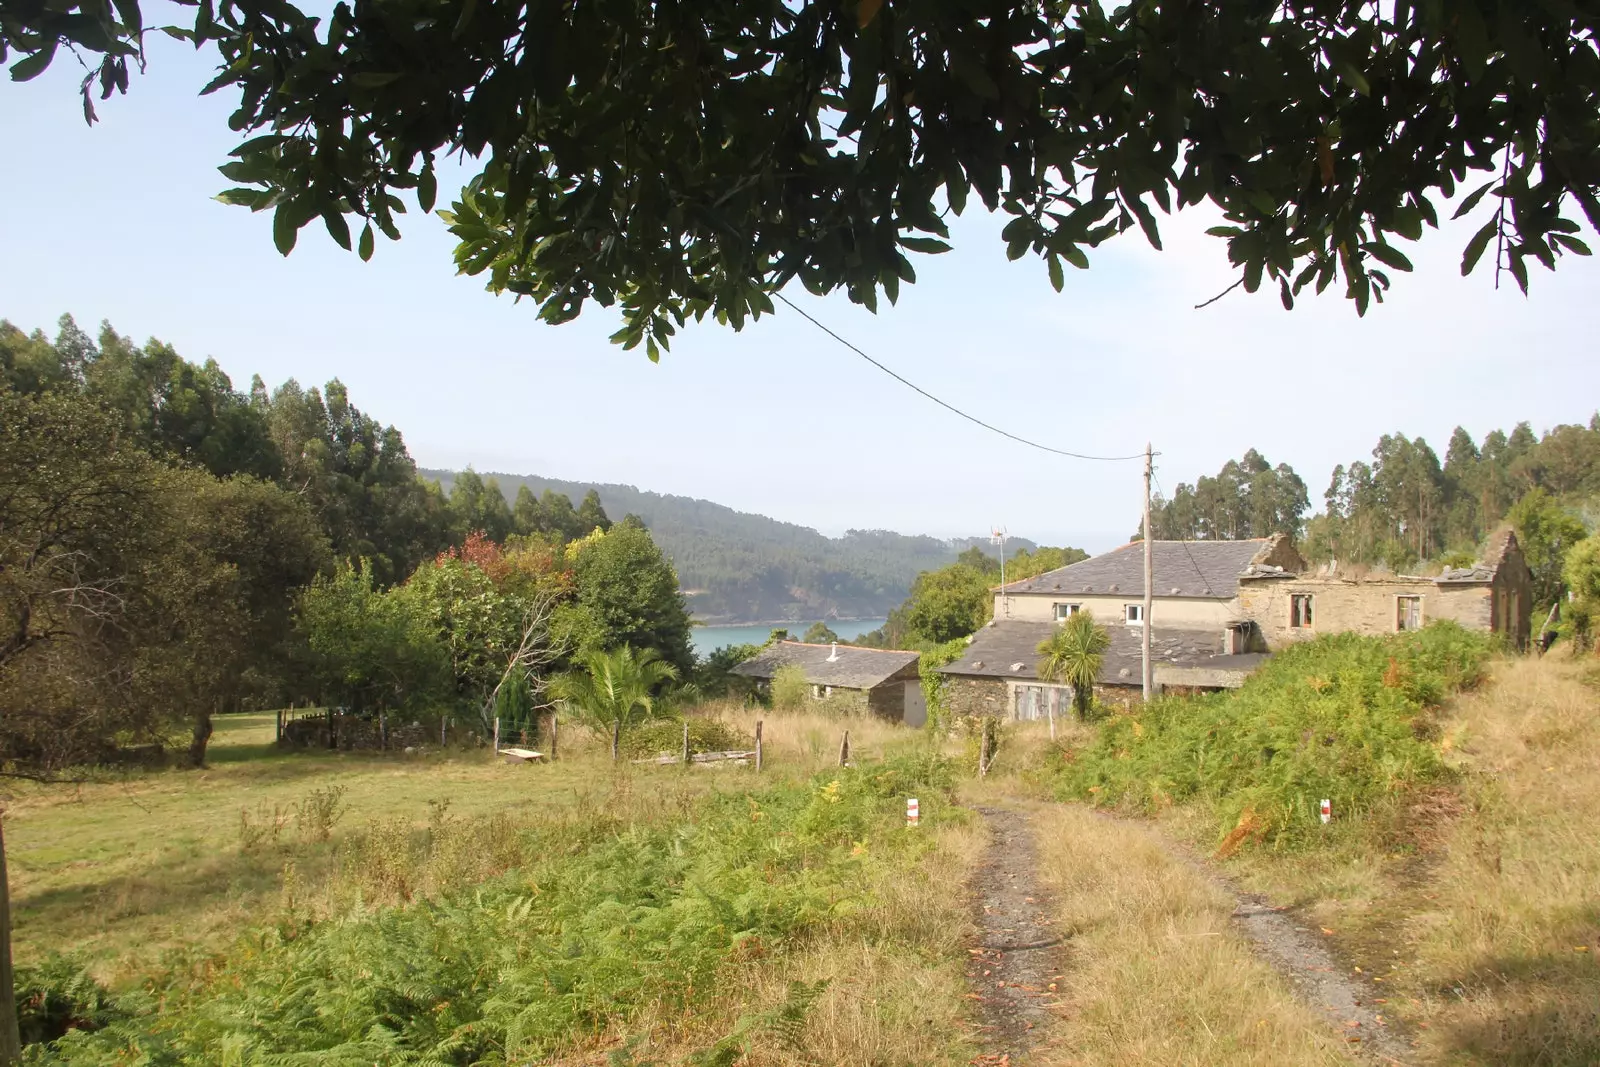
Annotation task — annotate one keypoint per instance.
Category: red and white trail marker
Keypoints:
(1327, 810)
(911, 811)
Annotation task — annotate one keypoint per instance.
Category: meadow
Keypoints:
(443, 907)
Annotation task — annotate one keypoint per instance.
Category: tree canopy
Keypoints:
(690, 160)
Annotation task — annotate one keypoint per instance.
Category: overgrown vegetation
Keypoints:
(705, 735)
(1344, 717)
(603, 920)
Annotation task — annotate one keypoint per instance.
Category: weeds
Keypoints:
(316, 815)
(1344, 717)
(606, 918)
(264, 827)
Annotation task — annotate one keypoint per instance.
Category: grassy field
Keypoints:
(1483, 916)
(121, 873)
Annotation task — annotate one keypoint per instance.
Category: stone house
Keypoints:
(847, 679)
(1196, 585)
(1495, 595)
(1218, 607)
(997, 674)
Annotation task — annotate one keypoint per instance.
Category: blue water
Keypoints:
(706, 639)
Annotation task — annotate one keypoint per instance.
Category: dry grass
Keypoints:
(123, 873)
(1155, 973)
(1508, 951)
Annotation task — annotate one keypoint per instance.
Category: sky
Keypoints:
(118, 223)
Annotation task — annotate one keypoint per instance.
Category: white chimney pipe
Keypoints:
(833, 652)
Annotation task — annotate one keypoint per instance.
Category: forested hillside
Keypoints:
(736, 566)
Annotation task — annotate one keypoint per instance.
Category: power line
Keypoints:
(944, 404)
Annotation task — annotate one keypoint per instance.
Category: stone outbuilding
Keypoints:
(997, 674)
(1494, 595)
(847, 679)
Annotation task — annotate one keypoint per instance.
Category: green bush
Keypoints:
(57, 996)
(705, 735)
(789, 689)
(1343, 717)
(646, 916)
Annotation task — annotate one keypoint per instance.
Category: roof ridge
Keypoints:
(842, 644)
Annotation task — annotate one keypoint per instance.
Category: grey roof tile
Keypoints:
(1181, 568)
(855, 668)
(1010, 649)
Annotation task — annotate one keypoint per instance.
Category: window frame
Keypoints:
(1131, 610)
(1302, 619)
(1073, 607)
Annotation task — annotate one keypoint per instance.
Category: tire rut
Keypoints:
(1017, 958)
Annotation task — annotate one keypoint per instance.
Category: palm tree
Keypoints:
(1073, 656)
(618, 686)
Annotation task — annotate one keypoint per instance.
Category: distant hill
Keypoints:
(739, 567)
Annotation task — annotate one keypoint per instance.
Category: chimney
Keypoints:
(833, 652)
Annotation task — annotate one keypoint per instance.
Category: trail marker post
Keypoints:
(911, 811)
(758, 746)
(1327, 811)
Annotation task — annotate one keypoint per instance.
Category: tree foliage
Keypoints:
(1073, 655)
(685, 161)
(1405, 506)
(620, 686)
(1248, 498)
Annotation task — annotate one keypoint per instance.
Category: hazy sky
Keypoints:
(117, 222)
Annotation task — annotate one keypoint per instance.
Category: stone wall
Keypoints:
(1368, 606)
(976, 697)
(353, 732)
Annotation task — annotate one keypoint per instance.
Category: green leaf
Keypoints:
(1475, 247)
(1285, 295)
(238, 197)
(1252, 275)
(338, 228)
(427, 188)
(1388, 255)
(34, 65)
(1075, 255)
(1057, 279)
(1519, 271)
(468, 8)
(930, 245)
(285, 231)
(364, 249)
(1472, 201)
(373, 81)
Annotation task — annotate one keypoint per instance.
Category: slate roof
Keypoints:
(1010, 649)
(855, 668)
(1208, 569)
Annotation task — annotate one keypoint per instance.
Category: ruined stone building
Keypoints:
(1218, 607)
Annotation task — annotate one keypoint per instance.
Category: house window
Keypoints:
(1134, 613)
(1300, 611)
(1066, 611)
(1408, 613)
(821, 692)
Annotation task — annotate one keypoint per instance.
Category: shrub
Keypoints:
(705, 735)
(1343, 717)
(316, 814)
(607, 921)
(789, 688)
(57, 996)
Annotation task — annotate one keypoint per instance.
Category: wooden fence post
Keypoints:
(277, 735)
(758, 746)
(497, 735)
(552, 735)
(686, 742)
(442, 721)
(983, 749)
(616, 739)
(844, 750)
(383, 730)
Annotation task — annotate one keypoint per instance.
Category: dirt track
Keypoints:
(1018, 954)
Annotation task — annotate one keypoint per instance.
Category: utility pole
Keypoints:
(1149, 584)
(998, 537)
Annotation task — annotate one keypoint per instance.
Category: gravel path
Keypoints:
(1017, 956)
